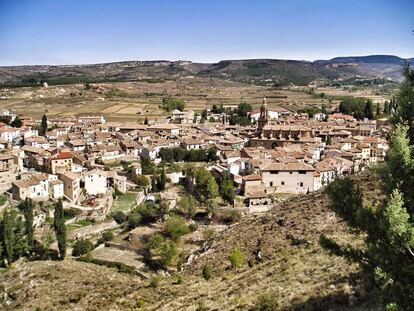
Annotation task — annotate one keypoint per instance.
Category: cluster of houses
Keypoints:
(283, 152)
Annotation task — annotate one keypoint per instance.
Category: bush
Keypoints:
(120, 217)
(107, 236)
(267, 302)
(164, 250)
(82, 247)
(134, 220)
(155, 280)
(121, 267)
(207, 272)
(236, 258)
(3, 199)
(187, 206)
(209, 234)
(148, 211)
(142, 181)
(193, 227)
(175, 227)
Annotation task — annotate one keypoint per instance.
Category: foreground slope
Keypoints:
(293, 268)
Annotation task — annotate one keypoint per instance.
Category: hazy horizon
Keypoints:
(49, 32)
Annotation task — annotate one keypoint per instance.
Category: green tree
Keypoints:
(211, 154)
(134, 220)
(8, 234)
(60, 228)
(43, 126)
(119, 217)
(162, 180)
(207, 274)
(154, 183)
(328, 140)
(169, 104)
(389, 227)
(206, 185)
(405, 100)
(175, 227)
(142, 181)
(164, 250)
(187, 206)
(27, 207)
(368, 110)
(386, 107)
(81, 247)
(107, 236)
(236, 258)
(16, 122)
(227, 190)
(378, 112)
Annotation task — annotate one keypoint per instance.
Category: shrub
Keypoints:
(209, 234)
(193, 227)
(142, 181)
(155, 280)
(267, 302)
(82, 247)
(236, 258)
(107, 236)
(187, 206)
(3, 199)
(120, 217)
(134, 220)
(165, 250)
(149, 212)
(207, 272)
(175, 227)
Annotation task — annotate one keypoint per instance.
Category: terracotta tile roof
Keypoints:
(252, 177)
(257, 195)
(299, 166)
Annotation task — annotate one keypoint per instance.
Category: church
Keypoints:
(271, 136)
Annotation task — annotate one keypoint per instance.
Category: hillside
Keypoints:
(256, 71)
(293, 268)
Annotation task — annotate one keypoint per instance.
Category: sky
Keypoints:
(95, 31)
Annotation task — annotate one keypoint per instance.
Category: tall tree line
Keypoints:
(389, 226)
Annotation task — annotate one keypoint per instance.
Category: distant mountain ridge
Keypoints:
(257, 71)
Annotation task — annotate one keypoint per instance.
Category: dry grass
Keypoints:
(136, 100)
(294, 269)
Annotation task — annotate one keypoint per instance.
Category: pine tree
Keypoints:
(154, 183)
(27, 208)
(386, 108)
(405, 103)
(43, 126)
(8, 235)
(16, 122)
(368, 111)
(60, 228)
(378, 112)
(162, 180)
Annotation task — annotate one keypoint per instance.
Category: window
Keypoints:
(282, 183)
(301, 184)
(302, 172)
(271, 184)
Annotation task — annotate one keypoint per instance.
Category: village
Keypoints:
(129, 187)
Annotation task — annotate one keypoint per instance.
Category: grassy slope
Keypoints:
(302, 276)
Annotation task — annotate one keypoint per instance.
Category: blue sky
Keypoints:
(93, 31)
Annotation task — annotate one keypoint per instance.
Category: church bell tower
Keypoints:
(264, 116)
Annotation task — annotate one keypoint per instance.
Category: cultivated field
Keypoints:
(128, 101)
